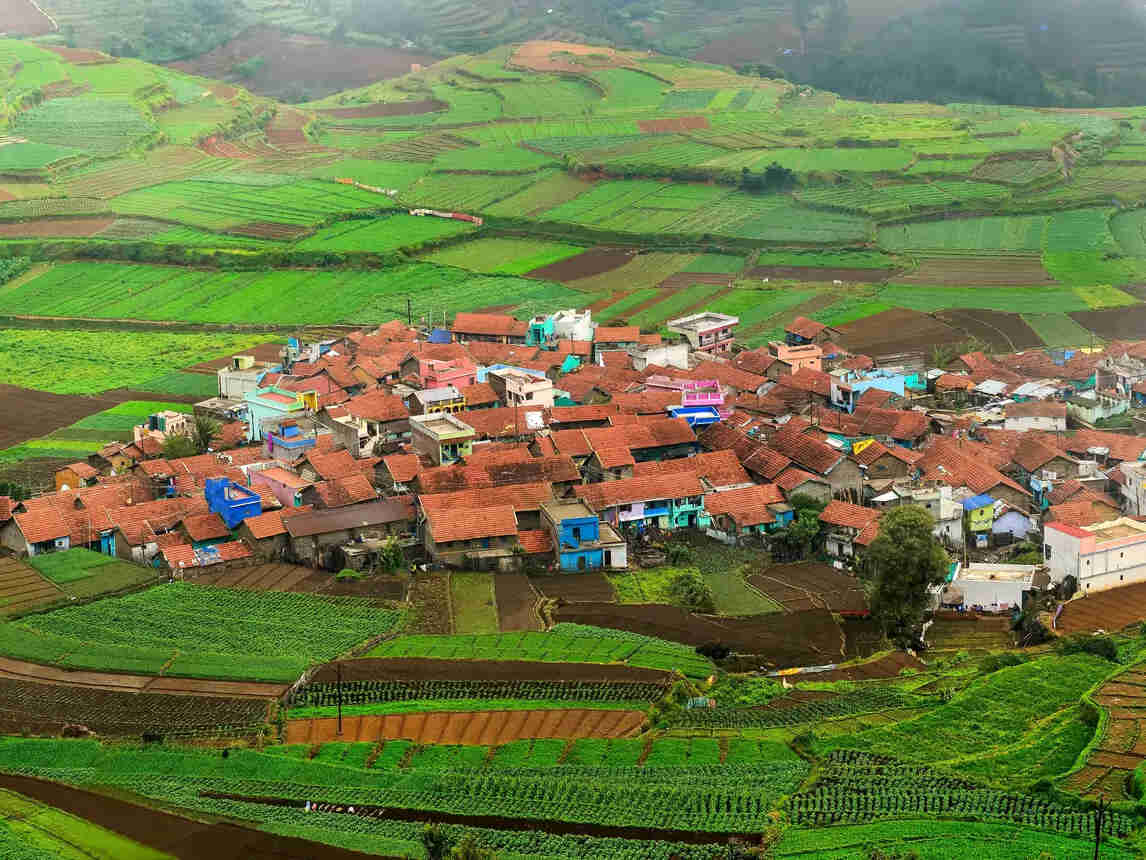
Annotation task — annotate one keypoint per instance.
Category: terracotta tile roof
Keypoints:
(617, 358)
(337, 464)
(500, 452)
(1081, 512)
(280, 476)
(753, 454)
(340, 492)
(156, 468)
(520, 497)
(488, 324)
(205, 527)
(960, 465)
(180, 555)
(559, 415)
(479, 394)
(377, 406)
(653, 339)
(612, 493)
(233, 550)
(790, 479)
(464, 524)
(809, 453)
(266, 525)
(266, 496)
(82, 471)
(40, 526)
(755, 361)
(1035, 409)
(725, 374)
(1032, 454)
(149, 446)
(876, 450)
(169, 539)
(572, 443)
(5, 508)
(535, 541)
(501, 422)
(617, 334)
(1065, 491)
(868, 533)
(839, 513)
(805, 328)
(403, 468)
(860, 363)
(1121, 447)
(808, 380)
(768, 404)
(874, 397)
(613, 458)
(447, 479)
(656, 433)
(955, 381)
(574, 347)
(719, 468)
(747, 506)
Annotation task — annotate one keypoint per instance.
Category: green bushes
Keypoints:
(1099, 646)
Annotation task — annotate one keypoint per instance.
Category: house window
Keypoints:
(577, 533)
(1047, 551)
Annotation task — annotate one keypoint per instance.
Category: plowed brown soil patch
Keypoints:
(226, 149)
(22, 670)
(28, 413)
(1112, 609)
(57, 227)
(780, 640)
(885, 667)
(981, 272)
(516, 602)
(816, 274)
(270, 230)
(682, 280)
(22, 587)
(807, 586)
(391, 109)
(576, 588)
(21, 18)
(681, 123)
(1123, 746)
(1004, 332)
(1113, 323)
(596, 261)
(454, 726)
(262, 352)
(604, 301)
(898, 333)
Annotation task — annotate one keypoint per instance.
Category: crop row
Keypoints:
(784, 713)
(364, 692)
(855, 788)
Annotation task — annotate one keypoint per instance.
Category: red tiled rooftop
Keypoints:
(805, 328)
(340, 492)
(535, 541)
(747, 506)
(403, 468)
(611, 493)
(266, 525)
(465, 524)
(377, 406)
(839, 513)
(489, 324)
(205, 527)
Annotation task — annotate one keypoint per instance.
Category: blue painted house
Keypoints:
(581, 540)
(231, 501)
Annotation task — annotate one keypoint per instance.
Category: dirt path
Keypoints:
(1123, 746)
(430, 728)
(173, 834)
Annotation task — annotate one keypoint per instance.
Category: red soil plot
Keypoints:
(270, 230)
(21, 18)
(1114, 323)
(885, 667)
(516, 602)
(81, 56)
(29, 414)
(596, 261)
(682, 123)
(225, 149)
(454, 726)
(811, 586)
(65, 227)
(542, 56)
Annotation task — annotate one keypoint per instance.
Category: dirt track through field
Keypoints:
(516, 602)
(180, 837)
(471, 728)
(24, 671)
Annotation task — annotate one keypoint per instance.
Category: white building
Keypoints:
(660, 355)
(707, 331)
(1134, 488)
(573, 324)
(1104, 555)
(1035, 415)
(994, 587)
(516, 387)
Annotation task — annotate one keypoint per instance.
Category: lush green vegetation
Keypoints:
(471, 595)
(269, 636)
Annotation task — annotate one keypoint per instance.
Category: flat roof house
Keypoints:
(443, 438)
(707, 331)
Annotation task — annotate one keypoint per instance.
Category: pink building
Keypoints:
(703, 392)
(438, 373)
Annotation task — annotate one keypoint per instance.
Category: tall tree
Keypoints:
(204, 432)
(904, 562)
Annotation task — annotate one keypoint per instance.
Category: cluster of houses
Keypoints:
(558, 442)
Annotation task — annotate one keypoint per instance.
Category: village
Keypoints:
(561, 445)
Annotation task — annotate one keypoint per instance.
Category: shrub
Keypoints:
(995, 662)
(1099, 646)
(347, 575)
(689, 590)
